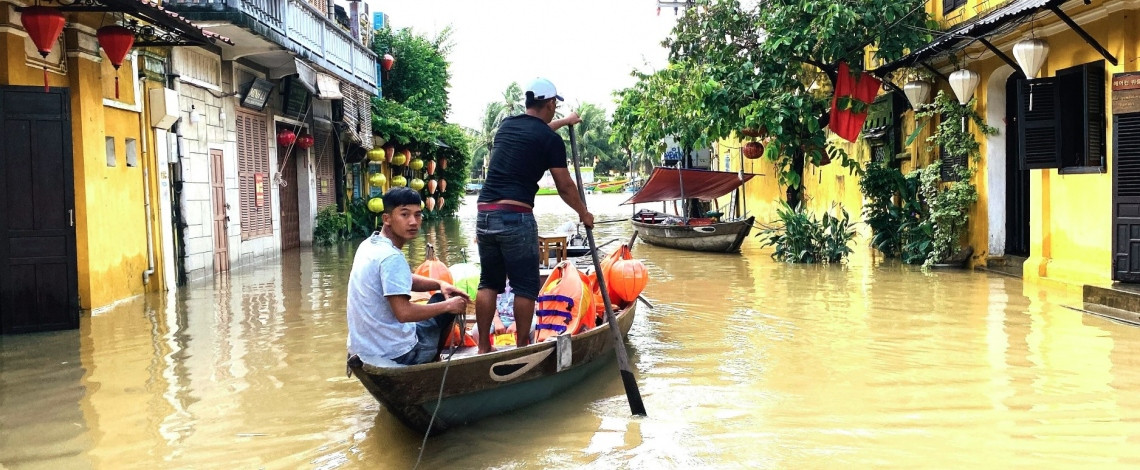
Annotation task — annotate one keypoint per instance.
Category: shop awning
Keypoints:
(970, 30)
(669, 184)
(163, 27)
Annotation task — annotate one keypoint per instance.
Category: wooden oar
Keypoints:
(628, 379)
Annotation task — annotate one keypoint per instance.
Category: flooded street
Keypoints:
(743, 363)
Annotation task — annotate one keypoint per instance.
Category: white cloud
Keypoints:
(587, 47)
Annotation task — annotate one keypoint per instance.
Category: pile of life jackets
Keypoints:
(570, 301)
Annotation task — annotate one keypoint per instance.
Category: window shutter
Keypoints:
(1094, 125)
(1126, 150)
(1039, 135)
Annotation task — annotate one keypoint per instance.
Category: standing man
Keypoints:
(525, 147)
(382, 320)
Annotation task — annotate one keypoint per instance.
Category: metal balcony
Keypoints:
(260, 27)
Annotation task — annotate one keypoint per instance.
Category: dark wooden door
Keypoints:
(1126, 197)
(218, 196)
(38, 275)
(290, 219)
(1016, 179)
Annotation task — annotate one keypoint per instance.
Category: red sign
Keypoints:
(259, 188)
(1125, 81)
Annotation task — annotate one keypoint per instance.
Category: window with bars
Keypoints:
(323, 153)
(951, 5)
(253, 176)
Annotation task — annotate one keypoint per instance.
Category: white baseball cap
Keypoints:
(542, 89)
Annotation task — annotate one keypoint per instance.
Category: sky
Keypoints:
(587, 48)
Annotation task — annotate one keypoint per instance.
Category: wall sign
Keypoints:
(259, 188)
(1125, 92)
(256, 93)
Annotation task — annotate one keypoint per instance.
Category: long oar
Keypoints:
(631, 392)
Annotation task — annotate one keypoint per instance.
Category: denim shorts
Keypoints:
(428, 337)
(508, 248)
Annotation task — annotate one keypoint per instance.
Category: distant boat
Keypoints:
(690, 233)
(473, 188)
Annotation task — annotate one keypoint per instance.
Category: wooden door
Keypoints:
(1126, 197)
(38, 268)
(218, 196)
(290, 218)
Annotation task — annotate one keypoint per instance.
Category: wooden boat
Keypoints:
(481, 385)
(687, 233)
(723, 237)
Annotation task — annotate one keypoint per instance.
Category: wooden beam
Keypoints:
(1001, 55)
(1080, 31)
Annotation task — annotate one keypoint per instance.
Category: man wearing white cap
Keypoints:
(525, 147)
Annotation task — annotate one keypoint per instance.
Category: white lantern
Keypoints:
(963, 82)
(917, 92)
(1030, 55)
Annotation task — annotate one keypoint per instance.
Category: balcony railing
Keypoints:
(294, 25)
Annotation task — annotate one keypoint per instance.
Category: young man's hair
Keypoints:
(400, 196)
(533, 103)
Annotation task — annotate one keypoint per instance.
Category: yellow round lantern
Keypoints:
(399, 180)
(376, 155)
(399, 159)
(416, 164)
(416, 184)
(377, 180)
(376, 205)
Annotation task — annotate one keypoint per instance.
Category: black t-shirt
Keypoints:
(524, 149)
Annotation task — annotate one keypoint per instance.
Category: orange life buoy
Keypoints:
(565, 303)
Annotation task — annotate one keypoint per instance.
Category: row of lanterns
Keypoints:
(287, 137)
(45, 24)
(1029, 53)
(401, 158)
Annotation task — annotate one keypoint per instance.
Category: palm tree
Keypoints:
(594, 140)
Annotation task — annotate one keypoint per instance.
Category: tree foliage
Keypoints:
(768, 66)
(412, 112)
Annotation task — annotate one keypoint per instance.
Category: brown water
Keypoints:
(743, 363)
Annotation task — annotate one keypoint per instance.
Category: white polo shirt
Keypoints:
(379, 269)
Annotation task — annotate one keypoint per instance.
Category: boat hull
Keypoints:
(719, 238)
(487, 384)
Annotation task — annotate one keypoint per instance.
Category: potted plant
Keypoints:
(949, 193)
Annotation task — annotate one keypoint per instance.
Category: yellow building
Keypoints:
(76, 192)
(1057, 191)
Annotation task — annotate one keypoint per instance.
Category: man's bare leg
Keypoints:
(524, 314)
(484, 315)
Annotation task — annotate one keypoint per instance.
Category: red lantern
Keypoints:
(305, 141)
(431, 186)
(116, 41)
(386, 62)
(442, 185)
(752, 150)
(43, 25)
(443, 164)
(430, 167)
(286, 138)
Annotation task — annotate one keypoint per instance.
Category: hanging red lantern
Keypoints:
(443, 164)
(116, 41)
(43, 25)
(752, 150)
(286, 138)
(387, 62)
(305, 141)
(442, 185)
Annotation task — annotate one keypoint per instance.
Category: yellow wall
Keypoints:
(109, 216)
(823, 186)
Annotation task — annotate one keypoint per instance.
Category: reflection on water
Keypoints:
(743, 363)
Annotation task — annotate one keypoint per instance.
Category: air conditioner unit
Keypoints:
(163, 107)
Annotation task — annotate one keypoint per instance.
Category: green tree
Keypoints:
(420, 76)
(594, 140)
(770, 66)
(412, 112)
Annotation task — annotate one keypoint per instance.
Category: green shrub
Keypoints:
(331, 226)
(362, 222)
(896, 213)
(801, 238)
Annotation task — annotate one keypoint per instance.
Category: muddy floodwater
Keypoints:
(743, 362)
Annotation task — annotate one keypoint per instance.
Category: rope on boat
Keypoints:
(462, 319)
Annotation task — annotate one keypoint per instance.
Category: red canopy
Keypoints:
(665, 184)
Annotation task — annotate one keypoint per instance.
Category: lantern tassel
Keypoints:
(116, 87)
(45, 80)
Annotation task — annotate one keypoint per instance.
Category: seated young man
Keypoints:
(382, 320)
